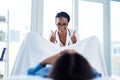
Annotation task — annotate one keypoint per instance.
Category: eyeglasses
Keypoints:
(64, 24)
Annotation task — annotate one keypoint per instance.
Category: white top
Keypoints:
(68, 37)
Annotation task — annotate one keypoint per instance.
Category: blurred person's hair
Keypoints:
(71, 67)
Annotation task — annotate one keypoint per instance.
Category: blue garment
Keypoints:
(95, 73)
(39, 70)
(32, 71)
(43, 71)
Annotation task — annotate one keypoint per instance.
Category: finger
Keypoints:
(52, 32)
(74, 32)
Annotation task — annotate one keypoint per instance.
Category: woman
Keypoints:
(63, 36)
(67, 65)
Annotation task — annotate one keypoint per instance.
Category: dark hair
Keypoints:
(63, 14)
(71, 67)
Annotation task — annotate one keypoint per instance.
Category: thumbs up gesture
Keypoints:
(73, 37)
(52, 38)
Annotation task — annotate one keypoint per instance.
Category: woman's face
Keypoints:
(62, 24)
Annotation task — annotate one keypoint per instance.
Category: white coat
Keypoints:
(68, 38)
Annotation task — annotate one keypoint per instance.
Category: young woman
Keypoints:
(66, 65)
(63, 36)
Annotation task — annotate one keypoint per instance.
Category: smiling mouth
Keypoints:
(62, 29)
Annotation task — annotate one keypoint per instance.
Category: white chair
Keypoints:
(35, 48)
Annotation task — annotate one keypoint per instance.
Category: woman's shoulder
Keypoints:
(71, 30)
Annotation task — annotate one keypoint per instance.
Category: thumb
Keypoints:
(52, 32)
(74, 32)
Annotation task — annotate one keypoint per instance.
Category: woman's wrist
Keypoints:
(43, 64)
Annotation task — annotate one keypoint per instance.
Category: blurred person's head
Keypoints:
(71, 67)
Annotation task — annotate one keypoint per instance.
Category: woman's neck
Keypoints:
(62, 32)
(62, 37)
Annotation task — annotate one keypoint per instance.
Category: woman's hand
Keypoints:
(52, 38)
(73, 37)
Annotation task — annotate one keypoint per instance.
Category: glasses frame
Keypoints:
(62, 25)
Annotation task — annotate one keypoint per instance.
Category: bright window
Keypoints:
(90, 19)
(20, 23)
(115, 38)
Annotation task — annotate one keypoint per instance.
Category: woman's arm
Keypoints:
(52, 59)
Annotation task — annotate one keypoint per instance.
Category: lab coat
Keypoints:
(68, 37)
